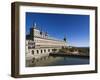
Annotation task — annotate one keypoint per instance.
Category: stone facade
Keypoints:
(40, 44)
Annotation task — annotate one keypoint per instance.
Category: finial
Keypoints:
(34, 25)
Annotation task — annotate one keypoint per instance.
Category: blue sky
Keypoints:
(74, 27)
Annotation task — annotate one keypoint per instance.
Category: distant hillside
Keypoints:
(83, 50)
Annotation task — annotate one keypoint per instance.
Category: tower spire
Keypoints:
(34, 25)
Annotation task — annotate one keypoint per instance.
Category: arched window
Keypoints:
(37, 51)
(41, 51)
(44, 50)
(48, 50)
(33, 52)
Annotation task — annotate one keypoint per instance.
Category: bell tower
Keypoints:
(34, 31)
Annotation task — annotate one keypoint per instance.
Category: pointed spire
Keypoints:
(34, 25)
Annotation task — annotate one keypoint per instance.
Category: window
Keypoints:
(33, 47)
(41, 51)
(32, 43)
(44, 50)
(54, 49)
(37, 51)
(32, 51)
(29, 47)
(48, 50)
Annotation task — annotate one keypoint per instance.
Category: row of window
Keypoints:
(31, 43)
(37, 51)
(31, 47)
